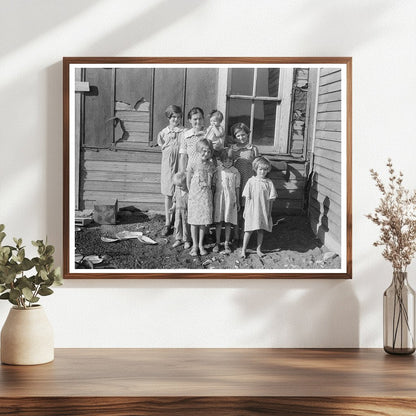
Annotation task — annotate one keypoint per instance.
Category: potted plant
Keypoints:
(27, 336)
(396, 217)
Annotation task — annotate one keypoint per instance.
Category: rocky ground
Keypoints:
(291, 245)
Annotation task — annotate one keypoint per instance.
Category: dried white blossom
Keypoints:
(396, 217)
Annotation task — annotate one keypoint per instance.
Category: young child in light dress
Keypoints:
(226, 198)
(215, 132)
(169, 140)
(199, 179)
(187, 151)
(259, 194)
(243, 154)
(180, 208)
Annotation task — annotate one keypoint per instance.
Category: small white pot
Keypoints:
(27, 337)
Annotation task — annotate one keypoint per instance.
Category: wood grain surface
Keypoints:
(212, 381)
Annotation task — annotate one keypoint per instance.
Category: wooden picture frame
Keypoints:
(299, 116)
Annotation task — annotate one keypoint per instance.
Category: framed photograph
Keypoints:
(214, 168)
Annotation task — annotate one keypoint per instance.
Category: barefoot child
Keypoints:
(259, 193)
(180, 208)
(226, 199)
(243, 154)
(215, 132)
(169, 140)
(199, 179)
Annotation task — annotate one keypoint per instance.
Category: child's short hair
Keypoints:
(195, 110)
(217, 114)
(172, 109)
(200, 144)
(179, 178)
(263, 162)
(226, 154)
(238, 127)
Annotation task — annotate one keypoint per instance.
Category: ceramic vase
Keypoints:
(27, 337)
(399, 316)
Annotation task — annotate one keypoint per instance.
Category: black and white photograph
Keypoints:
(218, 168)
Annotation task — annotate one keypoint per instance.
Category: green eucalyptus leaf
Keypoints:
(7, 277)
(45, 291)
(2, 288)
(27, 293)
(37, 243)
(15, 294)
(2, 227)
(58, 280)
(43, 275)
(26, 264)
(24, 282)
(49, 250)
(2, 236)
(21, 254)
(5, 295)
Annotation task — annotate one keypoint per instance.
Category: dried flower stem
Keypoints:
(396, 216)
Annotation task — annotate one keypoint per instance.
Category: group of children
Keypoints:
(206, 181)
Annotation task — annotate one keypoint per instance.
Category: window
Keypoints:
(260, 98)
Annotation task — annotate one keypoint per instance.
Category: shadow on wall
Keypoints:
(302, 314)
(40, 16)
(135, 31)
(324, 226)
(141, 27)
(318, 14)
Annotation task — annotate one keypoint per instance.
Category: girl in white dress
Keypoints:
(226, 198)
(259, 194)
(199, 180)
(169, 140)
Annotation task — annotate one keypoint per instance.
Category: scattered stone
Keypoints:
(329, 255)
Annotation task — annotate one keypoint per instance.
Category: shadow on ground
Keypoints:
(291, 245)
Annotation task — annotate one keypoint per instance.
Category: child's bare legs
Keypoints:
(194, 236)
(202, 230)
(168, 215)
(217, 237)
(227, 238)
(246, 239)
(259, 243)
(198, 234)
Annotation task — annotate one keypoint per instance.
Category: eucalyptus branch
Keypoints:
(16, 286)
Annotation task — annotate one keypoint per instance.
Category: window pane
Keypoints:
(264, 123)
(242, 81)
(267, 82)
(264, 119)
(239, 112)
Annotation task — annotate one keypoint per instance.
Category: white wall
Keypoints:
(380, 35)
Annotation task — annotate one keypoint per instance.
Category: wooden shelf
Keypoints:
(212, 382)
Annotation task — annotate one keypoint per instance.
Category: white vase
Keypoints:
(27, 337)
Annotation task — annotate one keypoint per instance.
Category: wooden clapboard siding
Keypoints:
(325, 194)
(121, 166)
(142, 205)
(139, 177)
(150, 156)
(289, 181)
(133, 177)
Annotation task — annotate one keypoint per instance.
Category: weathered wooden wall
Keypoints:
(325, 194)
(133, 177)
(289, 181)
(117, 159)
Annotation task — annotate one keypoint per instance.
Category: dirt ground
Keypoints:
(291, 245)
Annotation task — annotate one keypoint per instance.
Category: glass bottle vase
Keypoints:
(399, 316)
